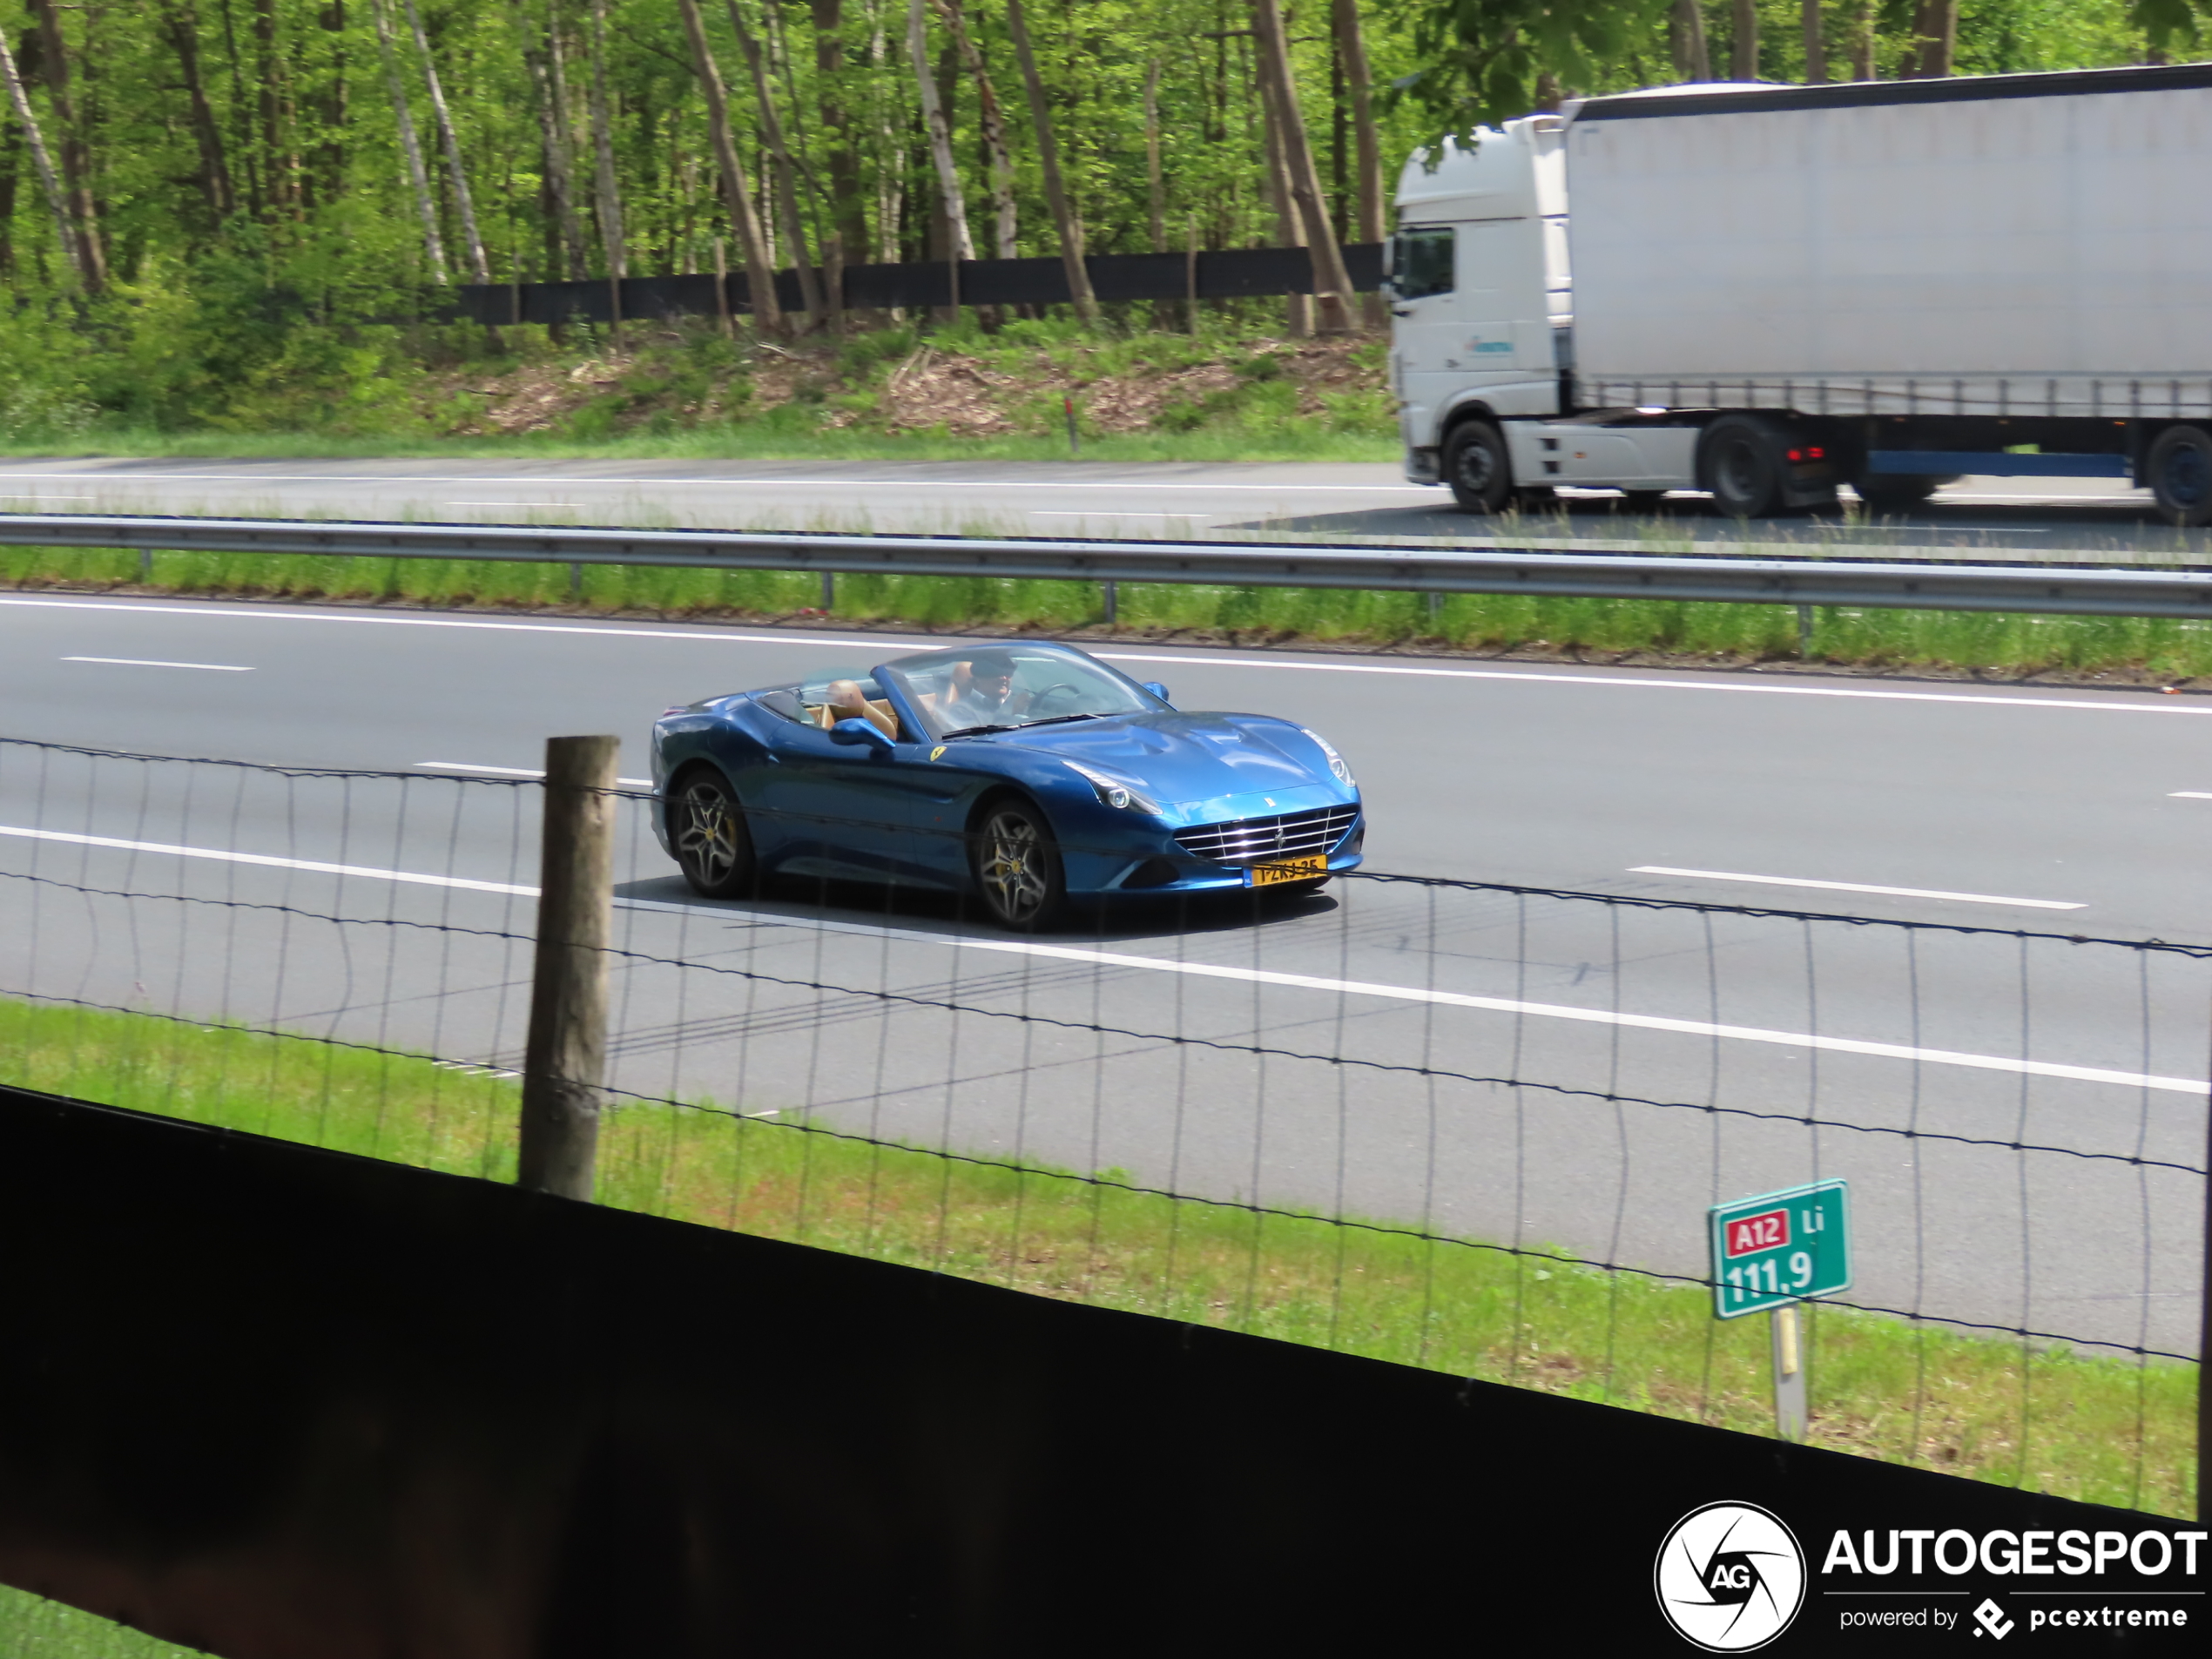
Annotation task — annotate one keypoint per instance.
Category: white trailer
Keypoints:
(1770, 292)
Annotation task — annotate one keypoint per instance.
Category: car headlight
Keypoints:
(1113, 792)
(1338, 770)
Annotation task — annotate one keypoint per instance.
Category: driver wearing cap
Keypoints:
(982, 693)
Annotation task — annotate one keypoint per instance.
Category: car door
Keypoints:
(841, 809)
(1426, 302)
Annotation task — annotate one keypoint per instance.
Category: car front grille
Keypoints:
(1262, 840)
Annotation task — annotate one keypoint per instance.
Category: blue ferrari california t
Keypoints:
(1027, 773)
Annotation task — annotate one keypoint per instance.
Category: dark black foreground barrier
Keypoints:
(281, 1402)
(1223, 273)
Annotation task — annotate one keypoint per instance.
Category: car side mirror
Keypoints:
(1159, 691)
(864, 733)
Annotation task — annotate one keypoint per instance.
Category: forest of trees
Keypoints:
(349, 145)
(203, 185)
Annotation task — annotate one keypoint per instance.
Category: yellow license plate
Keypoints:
(1305, 869)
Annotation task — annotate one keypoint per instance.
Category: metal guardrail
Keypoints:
(2057, 589)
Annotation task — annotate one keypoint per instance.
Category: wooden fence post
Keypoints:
(566, 1061)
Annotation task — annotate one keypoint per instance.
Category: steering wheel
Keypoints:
(1038, 699)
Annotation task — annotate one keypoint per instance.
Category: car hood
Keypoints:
(1184, 759)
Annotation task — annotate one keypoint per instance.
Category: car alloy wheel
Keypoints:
(1017, 869)
(708, 830)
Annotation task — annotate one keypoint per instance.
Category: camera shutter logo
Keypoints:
(1729, 1577)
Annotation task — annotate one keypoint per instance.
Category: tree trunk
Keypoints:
(737, 195)
(1333, 284)
(990, 120)
(608, 196)
(1816, 47)
(1156, 195)
(891, 176)
(961, 245)
(1935, 41)
(433, 244)
(848, 212)
(42, 159)
(780, 169)
(1862, 43)
(182, 29)
(1743, 41)
(273, 105)
(1686, 35)
(76, 162)
(541, 60)
(325, 177)
(1298, 308)
(1056, 188)
(1369, 199)
(464, 206)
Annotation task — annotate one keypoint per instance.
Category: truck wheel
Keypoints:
(1740, 461)
(2178, 472)
(1895, 492)
(1477, 467)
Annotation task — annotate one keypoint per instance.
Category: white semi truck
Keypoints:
(1767, 293)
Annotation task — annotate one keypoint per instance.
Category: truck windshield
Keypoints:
(1420, 262)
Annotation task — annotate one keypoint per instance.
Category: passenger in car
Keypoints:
(848, 701)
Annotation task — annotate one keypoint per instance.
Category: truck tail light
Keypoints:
(1812, 452)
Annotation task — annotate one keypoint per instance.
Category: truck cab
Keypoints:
(1482, 340)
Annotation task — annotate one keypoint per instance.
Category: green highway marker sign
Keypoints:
(1780, 1248)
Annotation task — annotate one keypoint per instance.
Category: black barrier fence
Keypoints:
(1225, 273)
(272, 1401)
(1462, 1125)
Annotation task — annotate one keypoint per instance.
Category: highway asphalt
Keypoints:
(2067, 517)
(2074, 812)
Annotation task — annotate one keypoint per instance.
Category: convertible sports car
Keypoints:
(1027, 773)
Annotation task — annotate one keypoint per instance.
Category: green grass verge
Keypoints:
(776, 436)
(2084, 1426)
(2165, 649)
(33, 1627)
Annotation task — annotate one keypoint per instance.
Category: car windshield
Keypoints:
(1003, 688)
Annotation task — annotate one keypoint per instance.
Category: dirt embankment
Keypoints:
(663, 381)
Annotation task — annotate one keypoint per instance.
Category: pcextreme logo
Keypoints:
(1729, 1577)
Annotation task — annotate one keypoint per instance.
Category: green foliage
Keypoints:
(1482, 61)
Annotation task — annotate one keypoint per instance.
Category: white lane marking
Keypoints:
(141, 662)
(578, 504)
(311, 865)
(1101, 512)
(515, 772)
(1453, 998)
(142, 480)
(1850, 886)
(2189, 794)
(813, 641)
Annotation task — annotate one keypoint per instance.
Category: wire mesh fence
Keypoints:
(1465, 1125)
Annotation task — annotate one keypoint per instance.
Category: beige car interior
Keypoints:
(846, 702)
